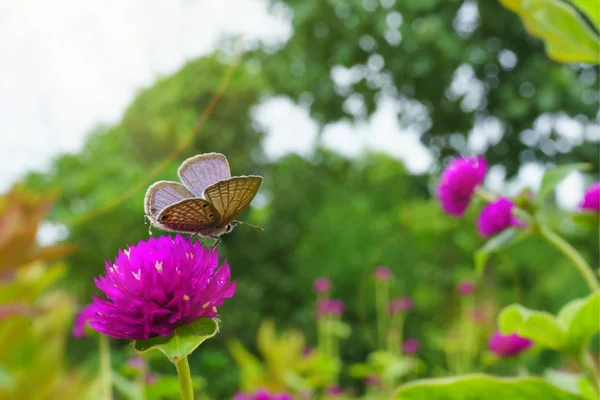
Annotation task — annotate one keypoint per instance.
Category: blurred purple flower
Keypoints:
(465, 287)
(307, 351)
(477, 315)
(496, 217)
(281, 396)
(591, 198)
(82, 319)
(411, 346)
(458, 183)
(508, 345)
(136, 363)
(383, 273)
(151, 378)
(333, 391)
(321, 285)
(372, 380)
(262, 394)
(400, 304)
(328, 307)
(158, 285)
(242, 396)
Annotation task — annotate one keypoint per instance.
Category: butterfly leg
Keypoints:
(216, 243)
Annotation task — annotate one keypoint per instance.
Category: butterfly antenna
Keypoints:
(253, 226)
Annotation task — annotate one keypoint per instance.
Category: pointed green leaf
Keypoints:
(501, 241)
(582, 319)
(566, 35)
(554, 176)
(480, 386)
(591, 9)
(539, 326)
(184, 340)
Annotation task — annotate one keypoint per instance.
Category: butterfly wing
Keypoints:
(194, 215)
(162, 194)
(203, 170)
(231, 196)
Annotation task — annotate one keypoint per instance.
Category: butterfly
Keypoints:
(206, 204)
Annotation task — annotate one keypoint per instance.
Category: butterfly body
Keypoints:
(206, 204)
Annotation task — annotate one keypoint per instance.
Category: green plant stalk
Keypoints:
(588, 367)
(400, 326)
(185, 379)
(381, 299)
(105, 371)
(564, 247)
(466, 329)
(141, 382)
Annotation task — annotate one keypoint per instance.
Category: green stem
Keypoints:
(105, 371)
(589, 369)
(488, 197)
(561, 244)
(381, 334)
(185, 379)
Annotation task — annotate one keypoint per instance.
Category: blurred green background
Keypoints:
(324, 213)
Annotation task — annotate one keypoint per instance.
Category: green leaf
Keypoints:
(478, 387)
(539, 326)
(501, 241)
(567, 381)
(184, 340)
(580, 317)
(554, 176)
(587, 220)
(565, 33)
(591, 10)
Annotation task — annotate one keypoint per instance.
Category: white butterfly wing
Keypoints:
(162, 194)
(203, 170)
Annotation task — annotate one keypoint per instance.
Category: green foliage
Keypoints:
(570, 331)
(567, 36)
(184, 340)
(496, 244)
(476, 387)
(409, 52)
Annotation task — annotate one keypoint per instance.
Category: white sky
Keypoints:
(68, 65)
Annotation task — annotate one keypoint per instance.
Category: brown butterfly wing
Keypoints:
(189, 216)
(163, 194)
(231, 196)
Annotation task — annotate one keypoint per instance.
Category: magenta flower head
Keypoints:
(465, 287)
(334, 391)
(321, 285)
(411, 346)
(496, 217)
(383, 274)
(591, 199)
(401, 304)
(327, 307)
(262, 394)
(156, 286)
(458, 183)
(509, 345)
(82, 320)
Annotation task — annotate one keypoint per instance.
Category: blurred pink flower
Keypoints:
(411, 346)
(496, 217)
(591, 198)
(329, 307)
(372, 380)
(151, 378)
(383, 273)
(136, 363)
(477, 315)
(321, 285)
(508, 345)
(333, 390)
(465, 287)
(458, 183)
(400, 304)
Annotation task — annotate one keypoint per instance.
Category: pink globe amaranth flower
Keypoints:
(411, 346)
(321, 285)
(465, 287)
(458, 183)
(383, 273)
(156, 286)
(82, 319)
(496, 217)
(401, 304)
(261, 394)
(334, 390)
(508, 345)
(591, 199)
(329, 307)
